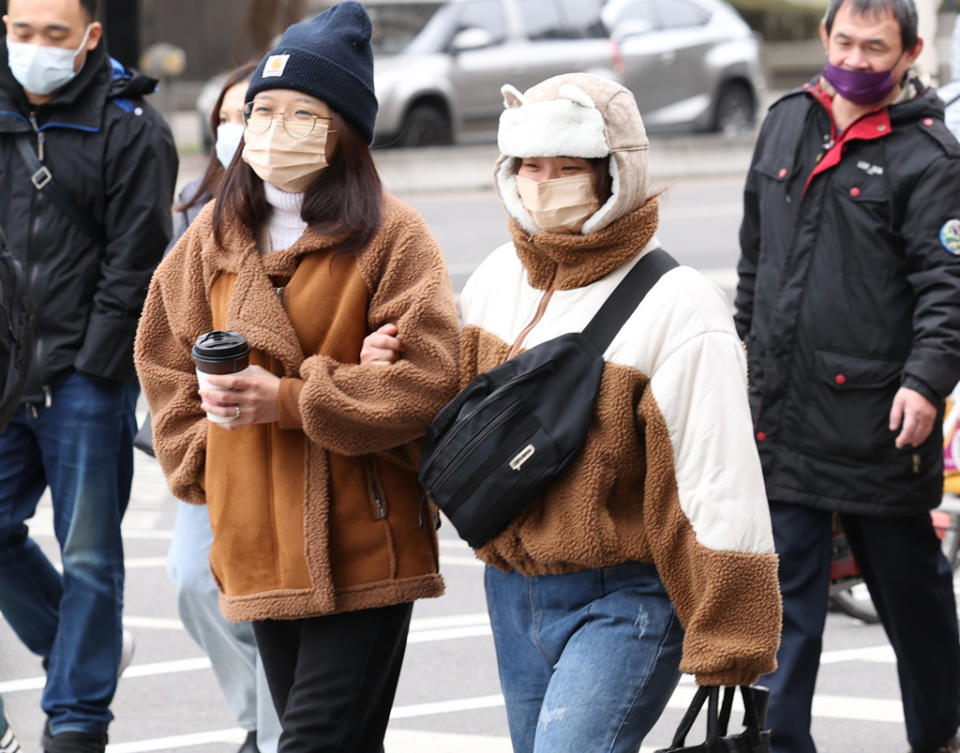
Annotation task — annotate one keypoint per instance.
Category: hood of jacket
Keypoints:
(574, 115)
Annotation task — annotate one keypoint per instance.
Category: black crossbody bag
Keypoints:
(514, 428)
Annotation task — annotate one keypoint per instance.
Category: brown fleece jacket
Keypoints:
(319, 512)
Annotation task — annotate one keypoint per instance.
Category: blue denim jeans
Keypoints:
(587, 660)
(231, 646)
(81, 446)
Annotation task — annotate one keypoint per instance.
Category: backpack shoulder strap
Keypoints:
(626, 297)
(42, 180)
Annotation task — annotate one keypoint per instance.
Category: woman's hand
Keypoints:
(255, 393)
(382, 347)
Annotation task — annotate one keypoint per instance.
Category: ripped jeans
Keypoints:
(588, 660)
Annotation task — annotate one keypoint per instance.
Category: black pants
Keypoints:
(911, 585)
(333, 678)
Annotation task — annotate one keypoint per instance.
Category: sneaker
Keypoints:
(249, 745)
(73, 742)
(8, 741)
(126, 651)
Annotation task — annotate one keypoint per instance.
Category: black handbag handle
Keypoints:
(754, 704)
(693, 711)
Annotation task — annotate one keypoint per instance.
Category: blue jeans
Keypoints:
(587, 660)
(231, 646)
(81, 446)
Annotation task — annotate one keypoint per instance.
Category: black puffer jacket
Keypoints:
(115, 156)
(849, 288)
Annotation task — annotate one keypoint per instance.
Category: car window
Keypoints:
(581, 18)
(541, 20)
(484, 14)
(396, 25)
(675, 13)
(631, 11)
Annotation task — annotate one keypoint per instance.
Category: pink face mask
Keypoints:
(559, 205)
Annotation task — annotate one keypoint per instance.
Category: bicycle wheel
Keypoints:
(855, 602)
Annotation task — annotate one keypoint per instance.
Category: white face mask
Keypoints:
(229, 136)
(559, 205)
(41, 69)
(285, 162)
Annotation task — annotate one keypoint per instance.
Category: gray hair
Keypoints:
(904, 11)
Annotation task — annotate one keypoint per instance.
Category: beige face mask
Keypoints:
(285, 162)
(559, 205)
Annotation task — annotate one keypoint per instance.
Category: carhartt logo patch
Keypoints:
(950, 236)
(275, 65)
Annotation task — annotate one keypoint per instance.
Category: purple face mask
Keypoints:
(860, 87)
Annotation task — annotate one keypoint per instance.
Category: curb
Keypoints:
(470, 168)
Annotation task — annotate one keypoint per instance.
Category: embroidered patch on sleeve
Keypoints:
(950, 236)
(275, 65)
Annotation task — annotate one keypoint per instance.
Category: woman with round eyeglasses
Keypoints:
(231, 646)
(319, 533)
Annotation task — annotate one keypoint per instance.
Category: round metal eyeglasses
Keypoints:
(297, 122)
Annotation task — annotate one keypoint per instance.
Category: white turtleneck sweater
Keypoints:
(285, 225)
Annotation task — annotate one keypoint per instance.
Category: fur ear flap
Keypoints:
(512, 97)
(575, 94)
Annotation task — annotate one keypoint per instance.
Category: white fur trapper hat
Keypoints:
(574, 115)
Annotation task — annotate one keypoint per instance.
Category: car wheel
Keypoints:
(735, 111)
(425, 125)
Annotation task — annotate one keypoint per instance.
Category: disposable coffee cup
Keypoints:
(220, 352)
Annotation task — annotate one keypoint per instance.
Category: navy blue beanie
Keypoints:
(329, 58)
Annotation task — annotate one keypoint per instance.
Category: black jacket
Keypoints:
(849, 288)
(114, 155)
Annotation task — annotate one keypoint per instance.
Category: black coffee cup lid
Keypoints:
(219, 345)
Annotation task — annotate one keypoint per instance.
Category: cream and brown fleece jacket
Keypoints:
(319, 512)
(669, 473)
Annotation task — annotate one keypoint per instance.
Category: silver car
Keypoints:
(691, 64)
(439, 66)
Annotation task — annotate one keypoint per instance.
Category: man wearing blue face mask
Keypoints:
(87, 169)
(849, 304)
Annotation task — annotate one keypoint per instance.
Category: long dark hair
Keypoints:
(344, 200)
(213, 176)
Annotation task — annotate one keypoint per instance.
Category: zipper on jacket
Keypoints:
(36, 129)
(541, 310)
(376, 488)
(425, 503)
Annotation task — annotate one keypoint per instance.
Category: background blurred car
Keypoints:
(439, 64)
(692, 64)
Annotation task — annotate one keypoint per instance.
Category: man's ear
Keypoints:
(824, 37)
(96, 32)
(913, 53)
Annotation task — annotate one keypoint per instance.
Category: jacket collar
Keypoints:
(563, 261)
(915, 101)
(255, 308)
(80, 103)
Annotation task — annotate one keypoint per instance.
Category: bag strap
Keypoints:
(42, 180)
(625, 298)
(704, 693)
